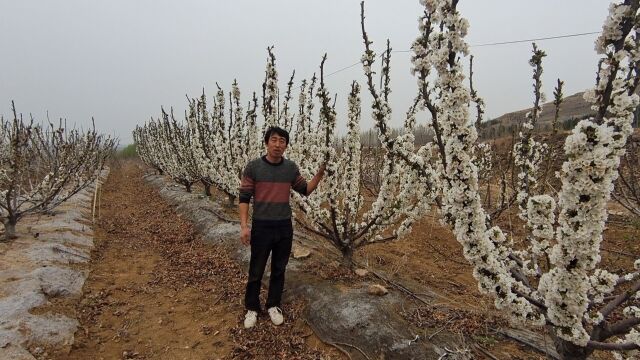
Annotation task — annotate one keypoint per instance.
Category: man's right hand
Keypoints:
(245, 234)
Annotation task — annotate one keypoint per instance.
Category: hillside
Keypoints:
(573, 108)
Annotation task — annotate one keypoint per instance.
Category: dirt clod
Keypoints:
(377, 289)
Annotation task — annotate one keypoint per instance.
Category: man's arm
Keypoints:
(313, 184)
(245, 231)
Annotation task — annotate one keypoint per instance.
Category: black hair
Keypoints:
(279, 131)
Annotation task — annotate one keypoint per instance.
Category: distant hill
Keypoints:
(572, 109)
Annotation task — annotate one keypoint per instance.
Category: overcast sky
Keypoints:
(120, 60)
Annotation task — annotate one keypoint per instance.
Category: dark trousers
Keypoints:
(273, 237)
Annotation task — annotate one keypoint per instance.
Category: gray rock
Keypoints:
(354, 317)
(300, 252)
(51, 254)
(67, 239)
(56, 281)
(15, 353)
(50, 329)
(14, 306)
(362, 272)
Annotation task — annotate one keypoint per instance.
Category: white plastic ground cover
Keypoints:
(48, 260)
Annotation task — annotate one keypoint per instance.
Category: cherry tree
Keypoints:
(343, 217)
(43, 166)
(222, 148)
(165, 143)
(215, 144)
(585, 307)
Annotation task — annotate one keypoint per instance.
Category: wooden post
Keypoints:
(95, 196)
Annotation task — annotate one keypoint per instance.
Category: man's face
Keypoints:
(276, 145)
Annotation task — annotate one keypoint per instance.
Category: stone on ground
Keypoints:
(377, 289)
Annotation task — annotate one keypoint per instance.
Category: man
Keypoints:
(269, 181)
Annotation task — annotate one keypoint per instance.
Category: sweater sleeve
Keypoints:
(299, 184)
(247, 184)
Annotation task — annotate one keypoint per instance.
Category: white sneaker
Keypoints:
(276, 315)
(250, 319)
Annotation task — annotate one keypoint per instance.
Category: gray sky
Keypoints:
(119, 60)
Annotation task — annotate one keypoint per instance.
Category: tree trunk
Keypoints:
(207, 189)
(568, 350)
(232, 200)
(9, 228)
(188, 186)
(347, 257)
(488, 191)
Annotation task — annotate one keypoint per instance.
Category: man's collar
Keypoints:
(264, 158)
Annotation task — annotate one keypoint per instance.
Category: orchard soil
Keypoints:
(156, 292)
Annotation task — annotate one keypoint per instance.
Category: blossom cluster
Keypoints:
(528, 152)
(270, 91)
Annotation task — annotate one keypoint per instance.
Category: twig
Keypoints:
(70, 253)
(443, 327)
(621, 253)
(338, 347)
(436, 333)
(400, 287)
(447, 257)
(218, 300)
(355, 347)
(220, 216)
(313, 329)
(485, 352)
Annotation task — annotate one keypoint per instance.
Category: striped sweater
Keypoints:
(270, 186)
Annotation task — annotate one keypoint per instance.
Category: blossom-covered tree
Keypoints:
(222, 148)
(43, 166)
(215, 145)
(167, 144)
(585, 306)
(343, 217)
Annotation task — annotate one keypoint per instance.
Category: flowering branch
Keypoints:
(557, 101)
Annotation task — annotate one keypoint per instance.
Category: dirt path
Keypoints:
(156, 292)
